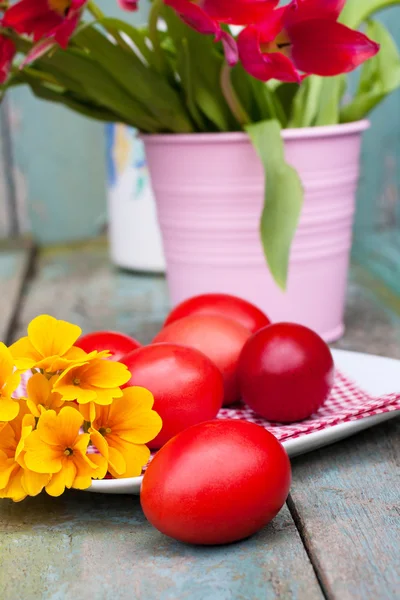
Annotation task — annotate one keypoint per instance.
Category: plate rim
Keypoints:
(294, 447)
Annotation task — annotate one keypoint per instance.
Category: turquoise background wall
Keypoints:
(54, 164)
(52, 173)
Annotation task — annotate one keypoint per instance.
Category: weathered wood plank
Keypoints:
(91, 546)
(14, 264)
(346, 503)
(80, 285)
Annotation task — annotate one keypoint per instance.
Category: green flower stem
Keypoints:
(231, 97)
(155, 10)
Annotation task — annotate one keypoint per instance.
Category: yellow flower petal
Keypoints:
(6, 364)
(33, 483)
(11, 384)
(132, 418)
(8, 439)
(102, 466)
(136, 456)
(105, 397)
(116, 462)
(99, 442)
(107, 374)
(24, 354)
(86, 470)
(73, 392)
(81, 443)
(51, 364)
(7, 466)
(51, 337)
(69, 470)
(40, 457)
(88, 411)
(15, 489)
(69, 421)
(39, 390)
(56, 485)
(28, 424)
(47, 429)
(9, 408)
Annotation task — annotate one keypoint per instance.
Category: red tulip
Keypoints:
(130, 5)
(206, 17)
(197, 18)
(52, 20)
(303, 36)
(239, 12)
(7, 53)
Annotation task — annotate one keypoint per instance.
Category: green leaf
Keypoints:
(99, 86)
(356, 12)
(286, 93)
(331, 94)
(248, 93)
(139, 36)
(186, 72)
(51, 94)
(140, 82)
(283, 198)
(380, 76)
(306, 102)
(206, 65)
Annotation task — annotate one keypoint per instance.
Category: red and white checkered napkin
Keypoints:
(347, 402)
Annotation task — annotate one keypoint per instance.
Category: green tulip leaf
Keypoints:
(283, 198)
(380, 76)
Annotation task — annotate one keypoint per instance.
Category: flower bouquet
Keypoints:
(209, 66)
(73, 422)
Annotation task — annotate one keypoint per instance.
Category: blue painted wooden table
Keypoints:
(338, 537)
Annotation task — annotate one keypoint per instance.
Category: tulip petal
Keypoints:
(7, 53)
(300, 10)
(25, 16)
(239, 12)
(264, 66)
(328, 48)
(270, 29)
(194, 16)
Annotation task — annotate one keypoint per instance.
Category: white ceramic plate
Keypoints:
(374, 374)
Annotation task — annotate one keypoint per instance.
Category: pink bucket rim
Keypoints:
(301, 133)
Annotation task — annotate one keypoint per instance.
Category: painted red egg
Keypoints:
(225, 305)
(187, 387)
(220, 339)
(216, 483)
(286, 372)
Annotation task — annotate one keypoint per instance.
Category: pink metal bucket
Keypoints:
(209, 195)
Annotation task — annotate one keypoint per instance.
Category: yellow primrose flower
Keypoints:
(16, 481)
(97, 381)
(41, 396)
(9, 381)
(120, 432)
(49, 345)
(58, 447)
